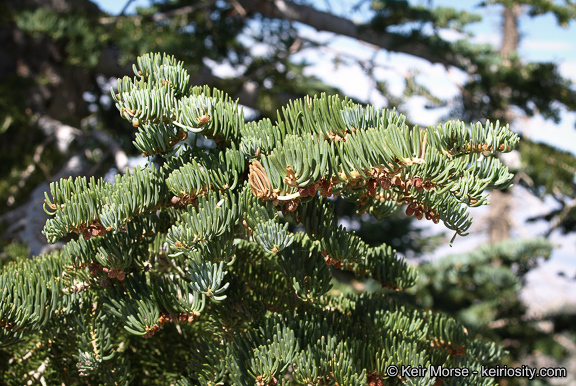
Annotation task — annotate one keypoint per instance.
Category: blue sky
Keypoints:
(542, 40)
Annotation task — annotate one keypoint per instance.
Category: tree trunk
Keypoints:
(500, 214)
(510, 34)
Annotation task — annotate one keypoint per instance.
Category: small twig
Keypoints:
(125, 7)
(561, 217)
(523, 176)
(181, 11)
(357, 6)
(239, 8)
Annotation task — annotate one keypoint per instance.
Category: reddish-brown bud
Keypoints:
(291, 205)
(121, 275)
(419, 213)
(203, 119)
(372, 184)
(304, 191)
(385, 183)
(94, 268)
(417, 182)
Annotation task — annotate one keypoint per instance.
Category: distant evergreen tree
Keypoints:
(56, 120)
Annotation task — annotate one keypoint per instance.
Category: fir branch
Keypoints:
(248, 224)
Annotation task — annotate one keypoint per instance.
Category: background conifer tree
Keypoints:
(57, 51)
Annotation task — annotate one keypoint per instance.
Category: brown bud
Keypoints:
(417, 182)
(419, 213)
(121, 275)
(304, 191)
(164, 318)
(371, 187)
(325, 187)
(86, 234)
(94, 268)
(291, 205)
(385, 183)
(312, 190)
(94, 231)
(182, 135)
(409, 211)
(203, 119)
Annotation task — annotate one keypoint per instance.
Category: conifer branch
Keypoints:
(213, 224)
